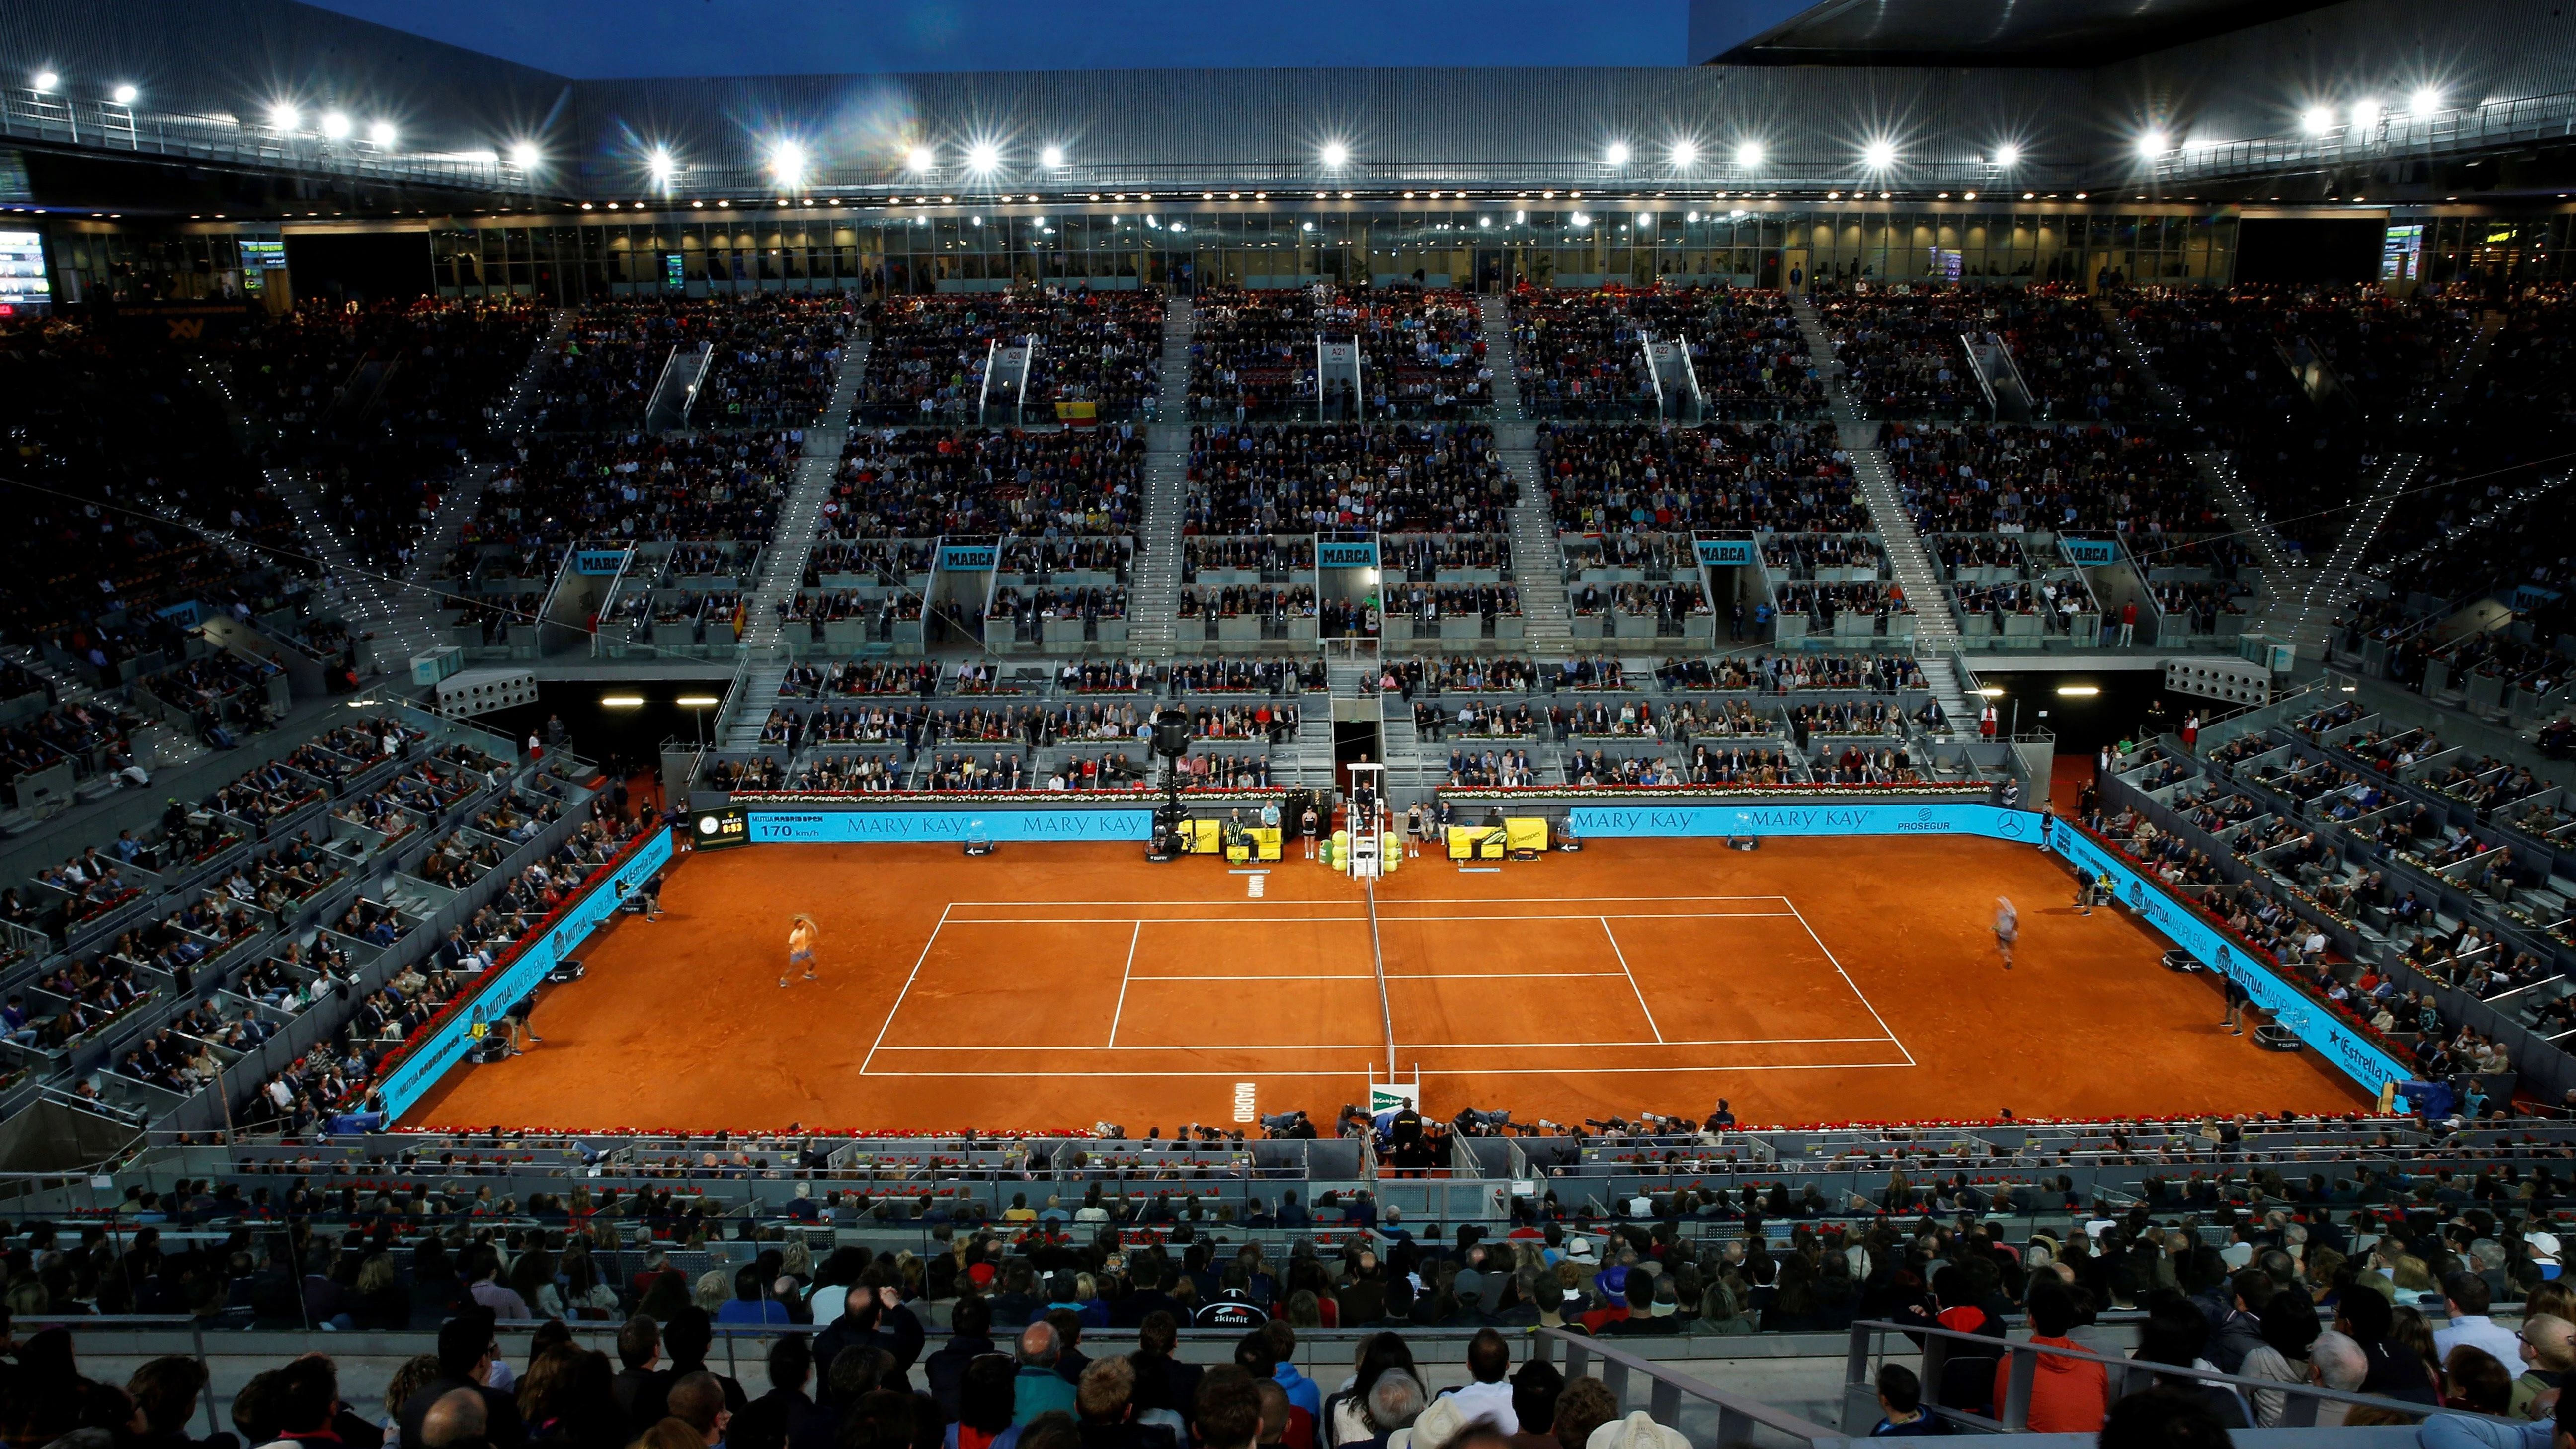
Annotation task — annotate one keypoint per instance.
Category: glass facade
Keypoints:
(103, 264)
(1488, 244)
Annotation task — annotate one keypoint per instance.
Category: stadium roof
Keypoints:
(1966, 32)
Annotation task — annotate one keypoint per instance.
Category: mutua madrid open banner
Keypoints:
(2337, 1040)
(517, 974)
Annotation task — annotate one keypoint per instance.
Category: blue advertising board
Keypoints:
(842, 827)
(1820, 818)
(1716, 552)
(502, 986)
(966, 556)
(2090, 551)
(2338, 1041)
(1347, 555)
(599, 561)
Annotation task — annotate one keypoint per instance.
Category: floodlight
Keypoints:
(1052, 157)
(335, 124)
(46, 80)
(1880, 155)
(2007, 155)
(2317, 120)
(787, 162)
(2424, 103)
(1336, 155)
(525, 155)
(1748, 154)
(382, 133)
(983, 157)
(920, 158)
(283, 116)
(1617, 155)
(122, 95)
(2365, 113)
(1685, 152)
(662, 165)
(2153, 144)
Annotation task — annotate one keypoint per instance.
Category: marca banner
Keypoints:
(598, 561)
(1361, 555)
(501, 987)
(967, 556)
(1715, 552)
(2093, 552)
(841, 827)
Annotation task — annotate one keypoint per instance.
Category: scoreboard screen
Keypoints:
(718, 829)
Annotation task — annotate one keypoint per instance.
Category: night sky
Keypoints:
(804, 37)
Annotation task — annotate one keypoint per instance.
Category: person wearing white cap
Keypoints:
(1637, 1431)
(2544, 1252)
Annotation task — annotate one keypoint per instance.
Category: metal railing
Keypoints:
(2492, 123)
(2124, 1375)
(49, 116)
(1669, 1392)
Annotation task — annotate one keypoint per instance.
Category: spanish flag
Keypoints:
(741, 617)
(1078, 414)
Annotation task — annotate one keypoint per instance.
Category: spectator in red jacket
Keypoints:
(2067, 1395)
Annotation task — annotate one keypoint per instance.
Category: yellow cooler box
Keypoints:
(1525, 834)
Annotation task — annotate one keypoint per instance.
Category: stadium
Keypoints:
(917, 726)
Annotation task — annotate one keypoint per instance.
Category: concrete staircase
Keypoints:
(420, 601)
(800, 518)
(1909, 563)
(2308, 620)
(365, 598)
(1406, 767)
(1538, 563)
(749, 711)
(1315, 740)
(1941, 675)
(1154, 584)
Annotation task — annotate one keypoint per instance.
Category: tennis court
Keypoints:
(1051, 986)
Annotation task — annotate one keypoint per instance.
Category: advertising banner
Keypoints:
(966, 556)
(2092, 552)
(1346, 555)
(518, 974)
(1716, 552)
(842, 827)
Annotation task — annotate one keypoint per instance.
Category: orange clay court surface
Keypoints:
(1052, 986)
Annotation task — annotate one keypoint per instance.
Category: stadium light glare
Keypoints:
(2007, 155)
(123, 95)
(381, 133)
(621, 701)
(45, 81)
(525, 156)
(1879, 155)
(2154, 143)
(1685, 153)
(335, 124)
(2317, 120)
(1748, 154)
(2424, 103)
(1336, 155)
(661, 165)
(1992, 691)
(920, 158)
(983, 158)
(787, 162)
(697, 701)
(1617, 155)
(283, 116)
(1052, 157)
(2365, 113)
(2077, 691)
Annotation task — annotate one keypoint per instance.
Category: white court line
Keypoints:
(1426, 1071)
(1405, 976)
(1632, 978)
(1407, 920)
(1124, 976)
(1410, 1046)
(906, 991)
(1410, 901)
(1847, 981)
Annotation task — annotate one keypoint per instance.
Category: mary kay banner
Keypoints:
(841, 827)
